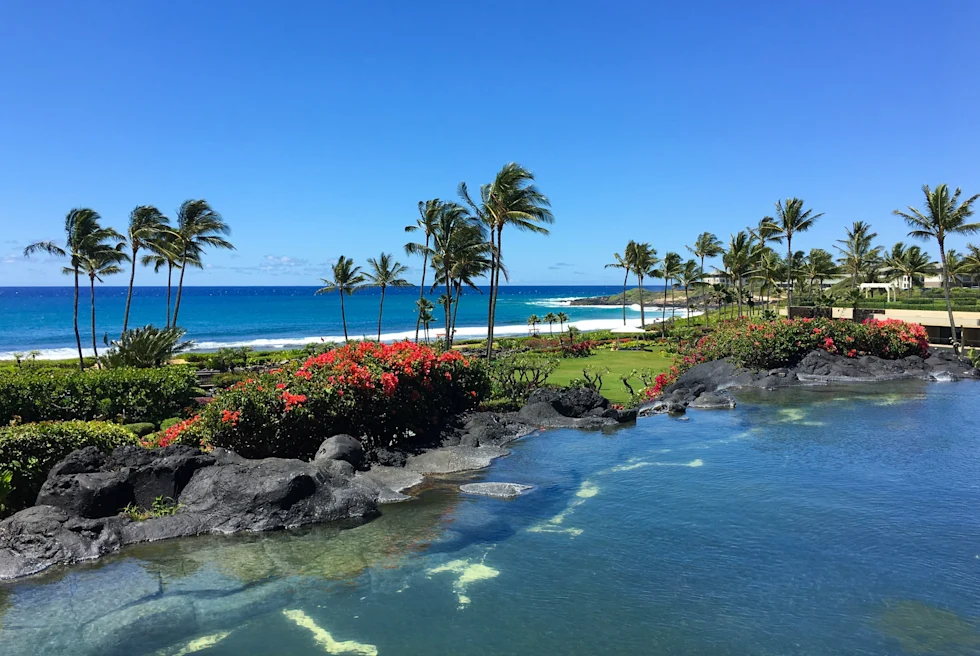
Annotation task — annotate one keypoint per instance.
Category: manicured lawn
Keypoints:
(618, 362)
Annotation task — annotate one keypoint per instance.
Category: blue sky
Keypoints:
(315, 128)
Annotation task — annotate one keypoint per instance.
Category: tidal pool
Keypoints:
(836, 520)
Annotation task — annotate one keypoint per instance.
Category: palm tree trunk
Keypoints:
(663, 315)
(704, 294)
(381, 309)
(625, 280)
(493, 272)
(95, 348)
(494, 291)
(949, 305)
(170, 273)
(449, 310)
(459, 292)
(78, 335)
(180, 288)
(687, 305)
(789, 272)
(643, 317)
(129, 294)
(425, 265)
(343, 315)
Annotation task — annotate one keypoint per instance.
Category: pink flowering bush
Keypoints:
(384, 394)
(784, 342)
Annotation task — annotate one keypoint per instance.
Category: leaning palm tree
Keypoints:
(429, 213)
(198, 226)
(467, 259)
(101, 260)
(346, 280)
(622, 262)
(385, 272)
(706, 245)
(512, 199)
(164, 251)
(82, 234)
(146, 225)
(944, 215)
(642, 261)
(790, 219)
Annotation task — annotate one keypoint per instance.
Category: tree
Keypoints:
(738, 261)
(385, 272)
(622, 262)
(706, 245)
(164, 251)
(550, 319)
(533, 321)
(857, 253)
(818, 265)
(346, 280)
(641, 261)
(562, 320)
(99, 260)
(429, 213)
(424, 309)
(670, 267)
(910, 263)
(790, 219)
(511, 199)
(459, 254)
(198, 226)
(82, 234)
(146, 225)
(689, 275)
(943, 216)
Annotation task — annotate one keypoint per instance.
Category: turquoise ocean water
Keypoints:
(275, 317)
(810, 522)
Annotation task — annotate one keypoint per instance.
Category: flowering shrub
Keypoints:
(784, 342)
(381, 393)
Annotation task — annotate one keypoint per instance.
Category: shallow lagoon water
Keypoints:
(821, 521)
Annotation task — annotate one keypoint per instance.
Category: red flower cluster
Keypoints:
(230, 416)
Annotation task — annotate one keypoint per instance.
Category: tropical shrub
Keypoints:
(140, 429)
(385, 394)
(146, 347)
(515, 377)
(29, 451)
(784, 342)
(132, 395)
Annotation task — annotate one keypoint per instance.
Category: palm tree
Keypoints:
(533, 321)
(146, 225)
(641, 261)
(818, 265)
(688, 275)
(198, 226)
(346, 279)
(82, 234)
(102, 259)
(767, 272)
(550, 319)
(511, 199)
(562, 320)
(738, 261)
(459, 254)
(429, 212)
(426, 317)
(622, 262)
(706, 245)
(956, 265)
(469, 260)
(164, 251)
(791, 219)
(856, 251)
(910, 263)
(669, 269)
(385, 272)
(943, 216)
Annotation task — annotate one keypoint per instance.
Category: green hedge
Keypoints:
(134, 395)
(29, 451)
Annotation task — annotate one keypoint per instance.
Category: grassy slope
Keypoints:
(618, 362)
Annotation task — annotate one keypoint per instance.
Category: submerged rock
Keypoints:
(497, 490)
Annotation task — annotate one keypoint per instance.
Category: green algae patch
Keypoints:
(323, 638)
(922, 628)
(467, 573)
(199, 644)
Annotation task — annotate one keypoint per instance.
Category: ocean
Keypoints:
(282, 317)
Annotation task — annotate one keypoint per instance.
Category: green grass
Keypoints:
(618, 363)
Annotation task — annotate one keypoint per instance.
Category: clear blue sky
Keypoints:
(315, 128)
